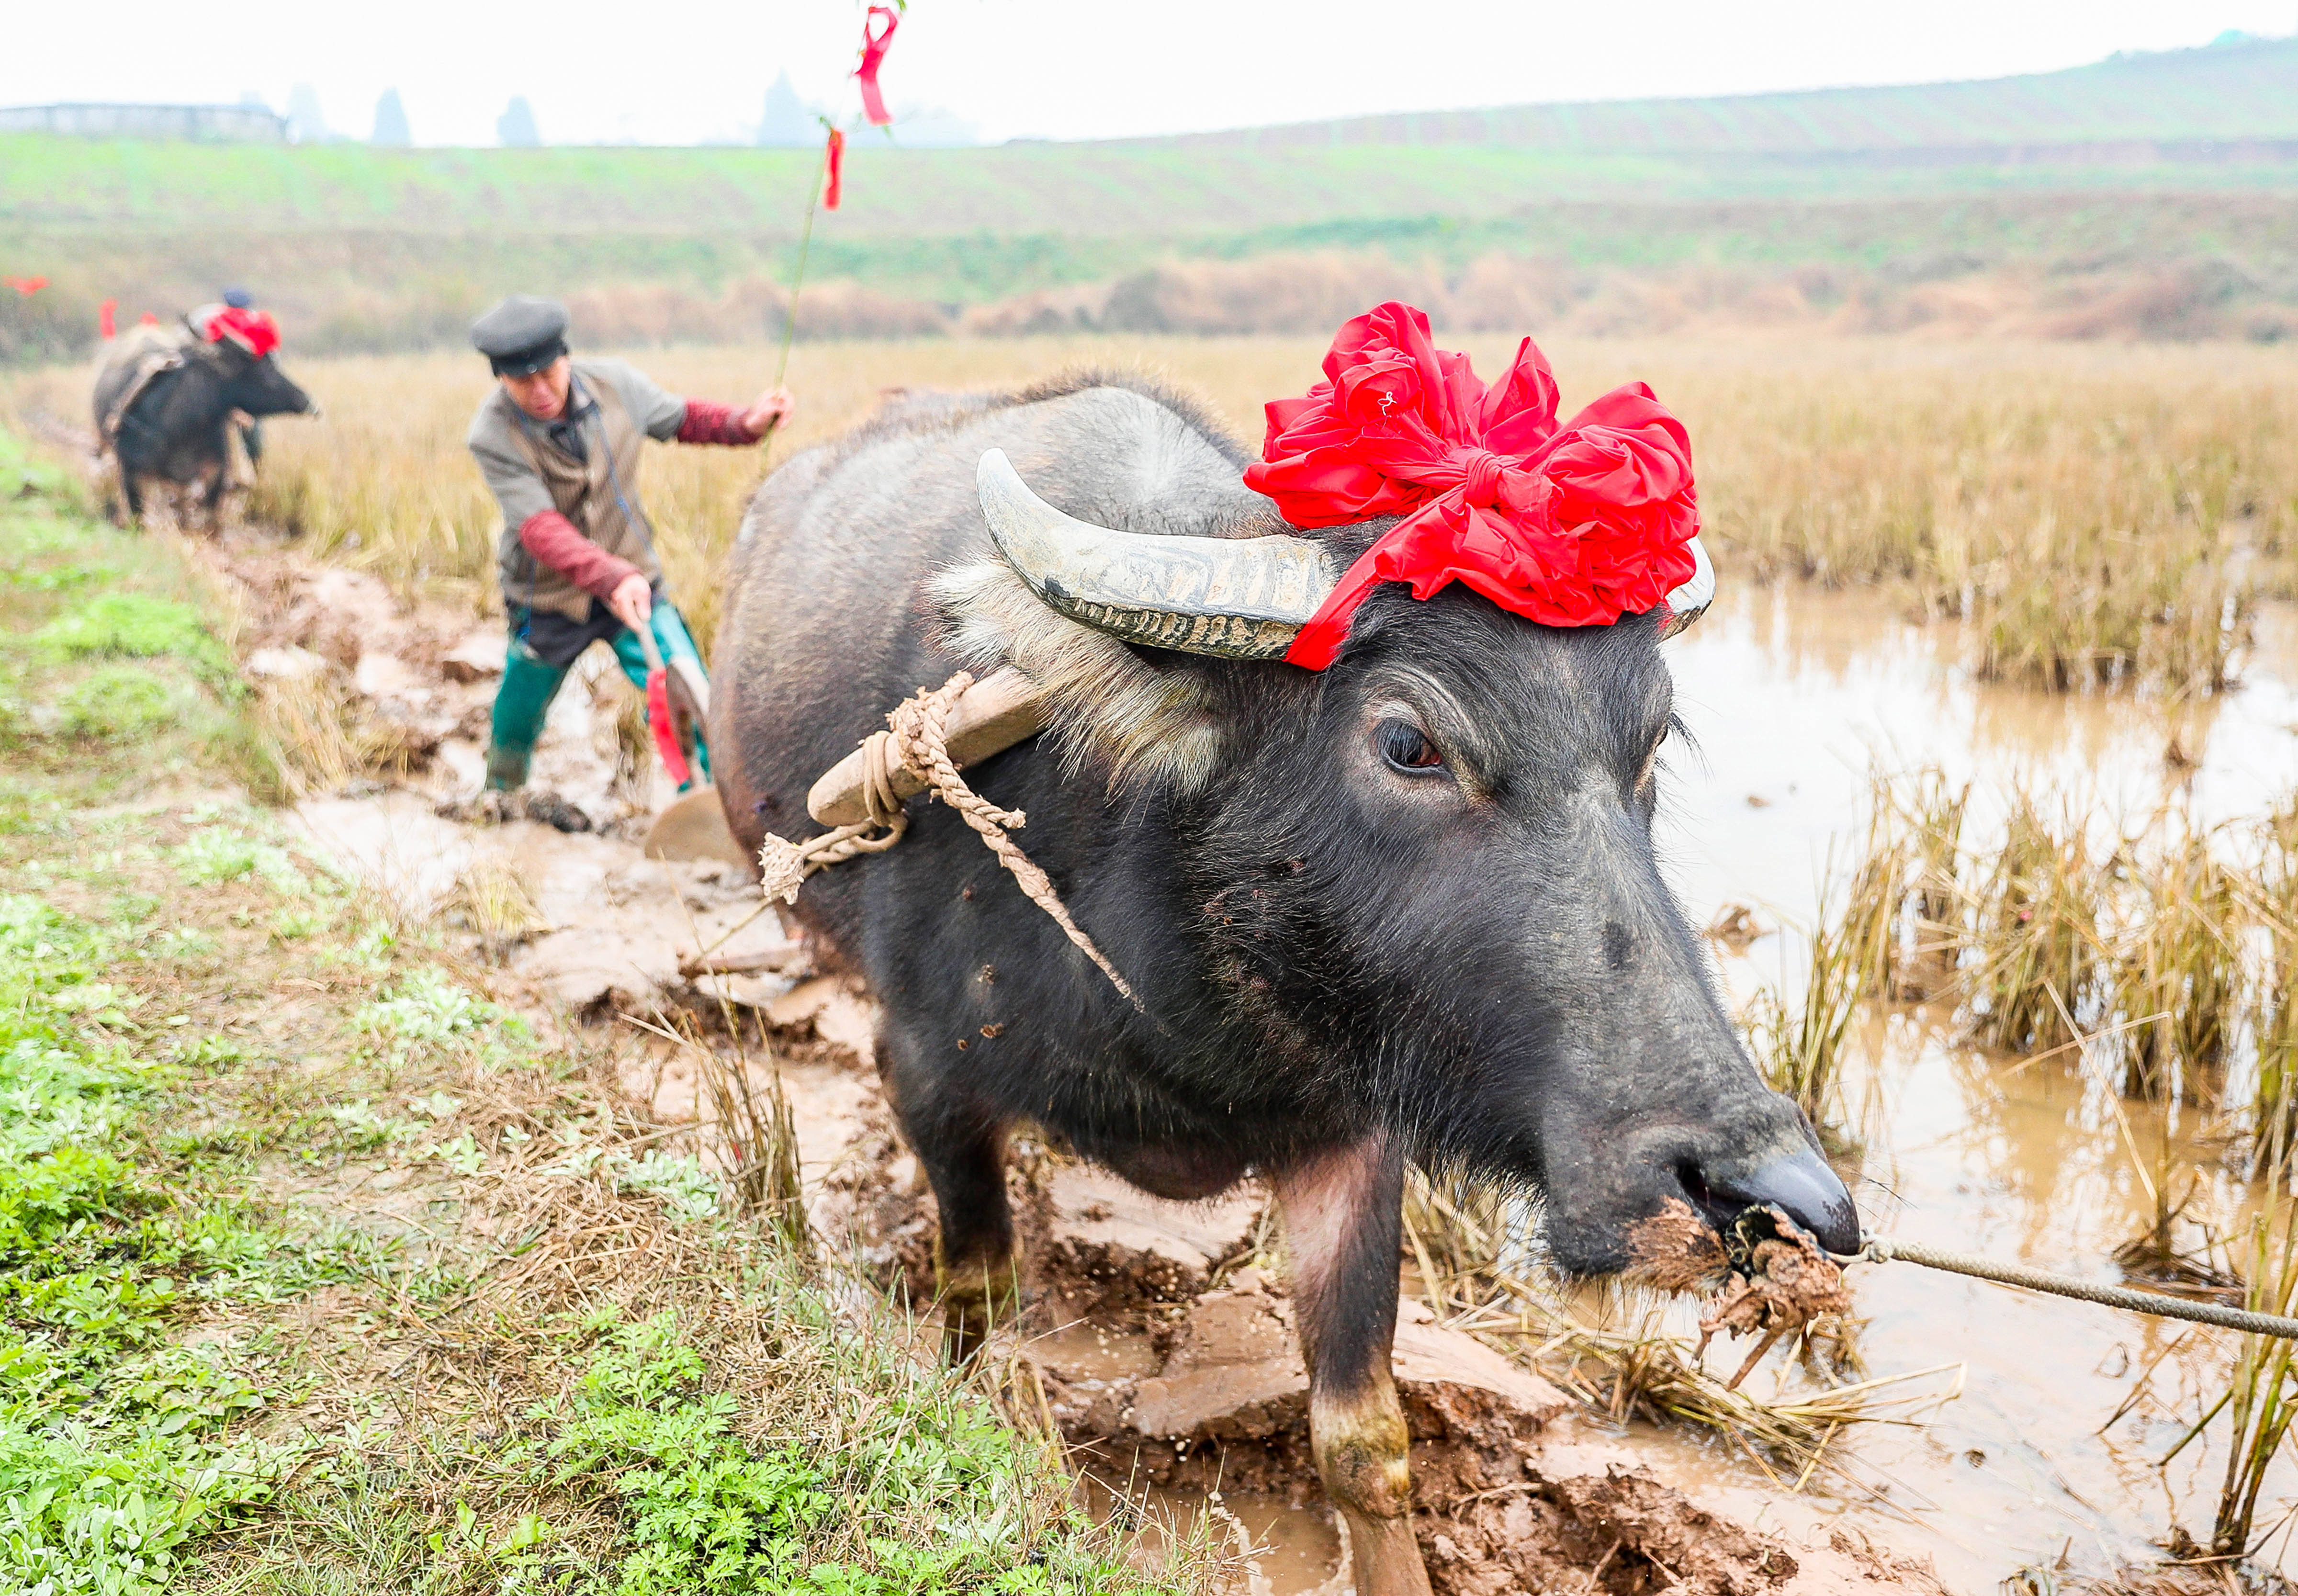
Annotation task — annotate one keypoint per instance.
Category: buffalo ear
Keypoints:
(1106, 705)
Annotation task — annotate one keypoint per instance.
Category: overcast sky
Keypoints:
(1060, 69)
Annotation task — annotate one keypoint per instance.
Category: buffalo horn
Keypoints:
(1233, 597)
(1687, 603)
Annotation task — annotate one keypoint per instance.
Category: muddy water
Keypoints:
(1790, 696)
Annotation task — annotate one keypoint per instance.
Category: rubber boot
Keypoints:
(671, 636)
(521, 702)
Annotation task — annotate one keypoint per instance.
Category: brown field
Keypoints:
(2101, 513)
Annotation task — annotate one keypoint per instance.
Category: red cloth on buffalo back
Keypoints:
(1570, 527)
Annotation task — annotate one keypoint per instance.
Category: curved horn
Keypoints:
(1689, 602)
(1233, 597)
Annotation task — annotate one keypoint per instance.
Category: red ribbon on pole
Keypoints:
(873, 52)
(103, 314)
(27, 287)
(833, 160)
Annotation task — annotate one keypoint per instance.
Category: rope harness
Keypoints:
(917, 739)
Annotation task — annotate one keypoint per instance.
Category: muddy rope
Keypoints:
(1879, 1251)
(916, 737)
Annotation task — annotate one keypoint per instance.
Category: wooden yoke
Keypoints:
(995, 713)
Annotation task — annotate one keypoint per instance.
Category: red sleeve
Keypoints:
(707, 423)
(555, 540)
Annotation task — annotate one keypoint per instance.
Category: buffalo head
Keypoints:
(1423, 880)
(254, 386)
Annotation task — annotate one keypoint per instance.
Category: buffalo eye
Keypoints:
(1651, 761)
(1406, 748)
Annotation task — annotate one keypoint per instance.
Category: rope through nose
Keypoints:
(1879, 1251)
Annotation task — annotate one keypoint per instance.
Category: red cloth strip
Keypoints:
(1569, 526)
(557, 543)
(707, 423)
(833, 161)
(873, 53)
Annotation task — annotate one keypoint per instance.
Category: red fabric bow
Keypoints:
(254, 331)
(833, 169)
(1569, 526)
(27, 287)
(874, 46)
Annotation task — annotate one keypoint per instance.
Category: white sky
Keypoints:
(1062, 69)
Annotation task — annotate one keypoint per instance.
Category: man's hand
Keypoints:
(633, 600)
(772, 408)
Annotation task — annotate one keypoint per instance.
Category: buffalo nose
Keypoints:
(1802, 1186)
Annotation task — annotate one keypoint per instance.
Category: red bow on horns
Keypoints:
(1569, 526)
(254, 331)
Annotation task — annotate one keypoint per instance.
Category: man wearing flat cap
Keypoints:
(559, 441)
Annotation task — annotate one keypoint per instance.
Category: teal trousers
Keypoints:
(529, 682)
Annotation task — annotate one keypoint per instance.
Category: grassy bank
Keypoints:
(2096, 515)
(322, 1271)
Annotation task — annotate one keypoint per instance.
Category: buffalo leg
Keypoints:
(1344, 1215)
(131, 494)
(961, 1145)
(211, 500)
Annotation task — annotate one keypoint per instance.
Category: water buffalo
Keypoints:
(1405, 909)
(175, 429)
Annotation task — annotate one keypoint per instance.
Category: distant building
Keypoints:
(515, 128)
(305, 125)
(391, 127)
(205, 124)
(789, 123)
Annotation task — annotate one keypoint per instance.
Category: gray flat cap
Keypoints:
(522, 334)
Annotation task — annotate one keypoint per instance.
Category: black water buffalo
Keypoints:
(176, 429)
(1405, 909)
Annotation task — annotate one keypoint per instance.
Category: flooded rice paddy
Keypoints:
(1792, 696)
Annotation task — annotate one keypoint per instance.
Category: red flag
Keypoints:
(27, 287)
(104, 312)
(833, 165)
(873, 52)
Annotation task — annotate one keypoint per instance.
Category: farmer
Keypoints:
(559, 441)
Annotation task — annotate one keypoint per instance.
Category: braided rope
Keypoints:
(2082, 1291)
(917, 737)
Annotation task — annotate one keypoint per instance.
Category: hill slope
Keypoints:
(2244, 90)
(2135, 163)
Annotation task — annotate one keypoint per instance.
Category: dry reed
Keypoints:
(2098, 515)
(2165, 954)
